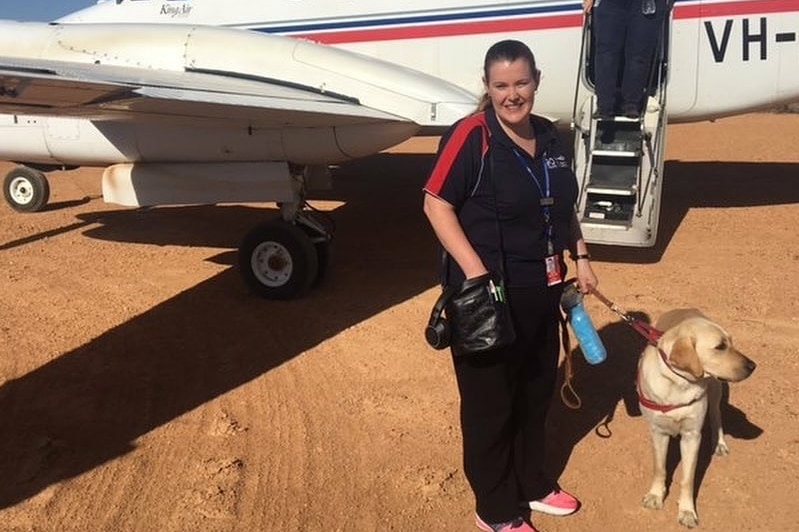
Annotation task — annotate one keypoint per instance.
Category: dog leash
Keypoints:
(568, 370)
(651, 334)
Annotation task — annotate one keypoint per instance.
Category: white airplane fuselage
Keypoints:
(726, 57)
(214, 101)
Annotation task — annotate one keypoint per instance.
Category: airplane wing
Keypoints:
(107, 92)
(127, 71)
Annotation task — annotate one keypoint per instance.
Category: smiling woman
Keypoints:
(500, 199)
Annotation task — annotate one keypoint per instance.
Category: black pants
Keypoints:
(505, 396)
(624, 36)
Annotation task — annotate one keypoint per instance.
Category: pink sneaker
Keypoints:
(558, 502)
(517, 525)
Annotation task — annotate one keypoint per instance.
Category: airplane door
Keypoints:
(683, 52)
(678, 56)
(618, 159)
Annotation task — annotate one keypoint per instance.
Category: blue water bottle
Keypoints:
(572, 303)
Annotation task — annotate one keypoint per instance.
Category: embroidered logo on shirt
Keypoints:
(557, 162)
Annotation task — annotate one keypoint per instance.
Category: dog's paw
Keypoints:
(652, 501)
(688, 519)
(722, 449)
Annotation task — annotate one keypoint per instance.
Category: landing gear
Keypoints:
(278, 261)
(26, 189)
(283, 259)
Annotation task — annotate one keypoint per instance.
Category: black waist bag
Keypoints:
(479, 316)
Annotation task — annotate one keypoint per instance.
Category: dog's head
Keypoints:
(701, 347)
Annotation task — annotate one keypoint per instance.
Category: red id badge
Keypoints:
(554, 275)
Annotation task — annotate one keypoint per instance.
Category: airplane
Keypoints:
(212, 101)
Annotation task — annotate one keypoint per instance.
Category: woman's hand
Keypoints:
(586, 278)
(587, 5)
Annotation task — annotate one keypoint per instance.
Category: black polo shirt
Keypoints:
(483, 178)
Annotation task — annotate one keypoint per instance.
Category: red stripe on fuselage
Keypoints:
(573, 20)
(735, 9)
(446, 30)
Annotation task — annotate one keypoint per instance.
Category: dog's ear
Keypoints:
(684, 356)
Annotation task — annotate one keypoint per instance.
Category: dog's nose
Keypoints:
(750, 365)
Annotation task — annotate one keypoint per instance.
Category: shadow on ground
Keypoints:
(89, 405)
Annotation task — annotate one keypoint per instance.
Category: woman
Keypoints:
(520, 192)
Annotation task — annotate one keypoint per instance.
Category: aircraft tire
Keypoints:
(322, 250)
(323, 260)
(277, 260)
(26, 189)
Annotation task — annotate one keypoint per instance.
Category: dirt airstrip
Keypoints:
(142, 388)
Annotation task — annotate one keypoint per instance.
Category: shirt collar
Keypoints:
(545, 133)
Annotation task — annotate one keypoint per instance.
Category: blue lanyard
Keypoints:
(546, 198)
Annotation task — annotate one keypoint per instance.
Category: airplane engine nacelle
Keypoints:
(141, 185)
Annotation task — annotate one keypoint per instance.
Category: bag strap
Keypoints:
(496, 217)
(473, 122)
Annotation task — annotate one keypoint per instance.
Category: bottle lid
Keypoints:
(571, 297)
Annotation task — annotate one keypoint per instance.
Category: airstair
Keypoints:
(618, 161)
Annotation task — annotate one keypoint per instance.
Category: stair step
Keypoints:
(618, 140)
(620, 119)
(614, 175)
(607, 208)
(593, 189)
(595, 222)
(616, 153)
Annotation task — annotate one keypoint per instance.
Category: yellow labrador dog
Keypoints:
(678, 381)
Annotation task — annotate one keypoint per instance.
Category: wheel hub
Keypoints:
(21, 190)
(272, 264)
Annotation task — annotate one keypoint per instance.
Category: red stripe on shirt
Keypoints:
(451, 149)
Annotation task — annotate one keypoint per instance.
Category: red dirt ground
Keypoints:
(143, 389)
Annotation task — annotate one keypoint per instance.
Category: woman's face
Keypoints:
(511, 86)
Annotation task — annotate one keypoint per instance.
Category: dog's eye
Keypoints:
(722, 346)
